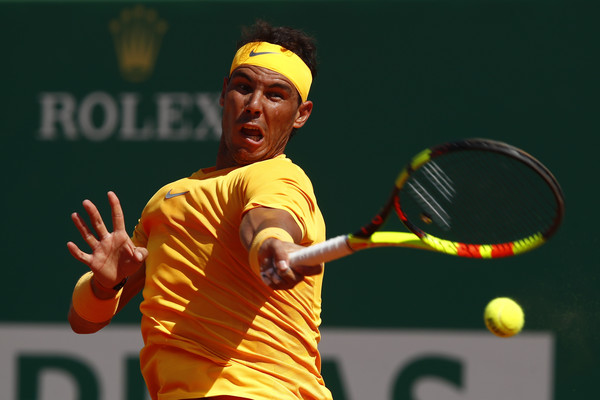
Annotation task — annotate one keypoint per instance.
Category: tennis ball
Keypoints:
(504, 317)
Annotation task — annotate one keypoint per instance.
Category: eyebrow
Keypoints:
(287, 87)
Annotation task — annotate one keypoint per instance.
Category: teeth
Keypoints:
(251, 131)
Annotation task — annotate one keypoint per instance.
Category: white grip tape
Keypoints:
(329, 250)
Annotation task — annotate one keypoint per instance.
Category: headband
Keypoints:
(278, 59)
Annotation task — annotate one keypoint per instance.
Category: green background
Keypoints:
(395, 77)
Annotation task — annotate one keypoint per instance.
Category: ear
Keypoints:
(223, 90)
(304, 112)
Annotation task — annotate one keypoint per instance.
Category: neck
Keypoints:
(224, 159)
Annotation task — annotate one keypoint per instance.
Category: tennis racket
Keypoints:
(475, 198)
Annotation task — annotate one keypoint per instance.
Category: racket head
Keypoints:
(479, 198)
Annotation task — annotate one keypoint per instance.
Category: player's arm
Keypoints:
(114, 259)
(270, 235)
(107, 297)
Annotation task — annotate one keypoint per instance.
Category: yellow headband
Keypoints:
(278, 59)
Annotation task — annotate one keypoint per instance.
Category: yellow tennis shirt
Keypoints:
(210, 325)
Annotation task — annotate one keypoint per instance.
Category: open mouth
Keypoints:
(252, 133)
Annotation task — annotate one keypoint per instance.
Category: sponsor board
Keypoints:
(142, 115)
(50, 362)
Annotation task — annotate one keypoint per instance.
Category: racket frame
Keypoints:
(368, 236)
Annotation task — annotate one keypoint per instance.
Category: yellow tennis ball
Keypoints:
(504, 317)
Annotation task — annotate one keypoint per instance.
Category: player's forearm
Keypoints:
(80, 325)
(92, 306)
(259, 219)
(105, 298)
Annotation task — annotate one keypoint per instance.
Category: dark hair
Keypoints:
(292, 39)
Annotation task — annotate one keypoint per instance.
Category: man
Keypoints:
(224, 314)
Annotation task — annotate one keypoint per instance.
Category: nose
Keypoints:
(253, 104)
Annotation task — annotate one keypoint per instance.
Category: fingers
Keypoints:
(284, 277)
(279, 275)
(95, 219)
(78, 254)
(83, 229)
(97, 222)
(276, 270)
(117, 212)
(140, 254)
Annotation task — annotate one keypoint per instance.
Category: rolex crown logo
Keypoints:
(137, 34)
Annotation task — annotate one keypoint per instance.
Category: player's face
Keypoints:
(260, 109)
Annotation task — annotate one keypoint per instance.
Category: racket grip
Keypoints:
(329, 250)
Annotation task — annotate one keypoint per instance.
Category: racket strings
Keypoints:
(515, 202)
(431, 208)
(478, 197)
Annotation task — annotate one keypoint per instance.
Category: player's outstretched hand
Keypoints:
(114, 256)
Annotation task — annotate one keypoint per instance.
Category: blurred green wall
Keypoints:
(395, 77)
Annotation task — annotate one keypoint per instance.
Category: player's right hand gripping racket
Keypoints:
(472, 198)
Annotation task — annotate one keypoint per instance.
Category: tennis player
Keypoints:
(217, 321)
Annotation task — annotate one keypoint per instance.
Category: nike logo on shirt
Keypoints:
(170, 195)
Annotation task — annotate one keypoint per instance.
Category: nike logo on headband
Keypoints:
(260, 53)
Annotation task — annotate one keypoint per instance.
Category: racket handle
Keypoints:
(329, 250)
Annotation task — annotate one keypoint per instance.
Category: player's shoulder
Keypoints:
(171, 189)
(281, 161)
(277, 167)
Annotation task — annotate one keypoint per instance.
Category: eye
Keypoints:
(240, 85)
(242, 88)
(275, 95)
